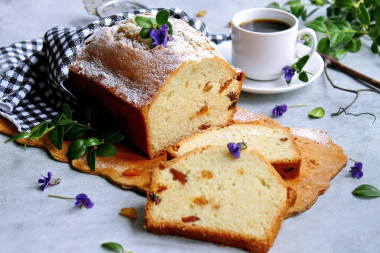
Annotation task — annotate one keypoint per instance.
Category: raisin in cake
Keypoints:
(209, 195)
(157, 96)
(276, 144)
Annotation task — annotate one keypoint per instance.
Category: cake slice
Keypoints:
(209, 195)
(157, 96)
(276, 144)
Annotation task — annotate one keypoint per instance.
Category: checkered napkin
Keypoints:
(32, 72)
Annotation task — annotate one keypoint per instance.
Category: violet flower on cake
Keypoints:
(160, 36)
(235, 148)
(48, 181)
(356, 170)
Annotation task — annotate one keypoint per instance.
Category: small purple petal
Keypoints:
(89, 204)
(359, 165)
(289, 73)
(234, 149)
(45, 181)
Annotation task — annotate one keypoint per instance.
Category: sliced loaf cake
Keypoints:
(157, 96)
(209, 195)
(276, 144)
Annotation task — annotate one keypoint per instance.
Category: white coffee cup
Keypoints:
(262, 55)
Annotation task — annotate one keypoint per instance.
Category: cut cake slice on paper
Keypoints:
(209, 195)
(276, 144)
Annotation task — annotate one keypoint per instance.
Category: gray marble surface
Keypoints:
(338, 222)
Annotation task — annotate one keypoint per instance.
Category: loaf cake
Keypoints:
(209, 195)
(157, 96)
(276, 144)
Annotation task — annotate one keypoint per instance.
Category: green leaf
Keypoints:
(348, 37)
(154, 22)
(344, 3)
(303, 77)
(115, 138)
(162, 17)
(343, 25)
(74, 132)
(106, 150)
(91, 112)
(301, 62)
(19, 136)
(318, 112)
(362, 14)
(317, 25)
(113, 246)
(376, 15)
(320, 18)
(366, 190)
(61, 120)
(39, 130)
(336, 38)
(309, 14)
(374, 31)
(170, 28)
(144, 22)
(56, 136)
(323, 45)
(375, 48)
(111, 136)
(297, 9)
(144, 33)
(67, 111)
(331, 27)
(354, 45)
(92, 141)
(275, 5)
(77, 149)
(91, 159)
(340, 53)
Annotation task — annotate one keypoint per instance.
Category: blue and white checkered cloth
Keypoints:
(33, 72)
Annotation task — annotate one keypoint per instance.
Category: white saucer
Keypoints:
(314, 65)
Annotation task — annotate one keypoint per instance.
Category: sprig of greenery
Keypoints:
(64, 127)
(345, 23)
(298, 66)
(150, 23)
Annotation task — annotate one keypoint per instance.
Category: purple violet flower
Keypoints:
(289, 73)
(356, 170)
(160, 36)
(279, 110)
(235, 148)
(47, 181)
(83, 201)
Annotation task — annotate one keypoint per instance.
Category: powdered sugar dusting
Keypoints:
(315, 135)
(119, 59)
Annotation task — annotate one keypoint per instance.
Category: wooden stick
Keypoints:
(331, 62)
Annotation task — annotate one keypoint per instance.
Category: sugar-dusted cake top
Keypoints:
(118, 58)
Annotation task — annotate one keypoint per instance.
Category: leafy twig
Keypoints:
(64, 127)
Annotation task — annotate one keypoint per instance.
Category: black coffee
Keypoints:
(265, 25)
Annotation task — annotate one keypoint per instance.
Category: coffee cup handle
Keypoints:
(313, 37)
